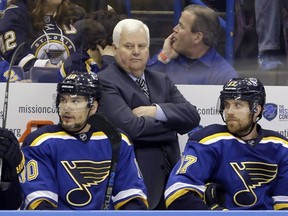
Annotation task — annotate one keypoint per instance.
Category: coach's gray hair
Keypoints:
(129, 26)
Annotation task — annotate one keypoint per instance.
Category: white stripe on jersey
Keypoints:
(26, 59)
(180, 185)
(280, 199)
(39, 195)
(217, 137)
(63, 135)
(126, 193)
(274, 140)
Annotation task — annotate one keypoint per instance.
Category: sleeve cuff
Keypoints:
(41, 62)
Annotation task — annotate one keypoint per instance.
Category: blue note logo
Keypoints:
(270, 111)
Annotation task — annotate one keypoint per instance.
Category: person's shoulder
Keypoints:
(209, 133)
(154, 73)
(111, 68)
(126, 138)
(13, 17)
(159, 77)
(113, 73)
(274, 136)
(218, 58)
(18, 8)
(222, 65)
(42, 132)
(107, 60)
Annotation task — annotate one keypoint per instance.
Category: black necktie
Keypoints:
(141, 83)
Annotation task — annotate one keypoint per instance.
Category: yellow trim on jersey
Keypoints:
(280, 206)
(36, 203)
(226, 135)
(120, 204)
(89, 62)
(98, 133)
(20, 166)
(62, 134)
(62, 71)
(217, 136)
(180, 193)
(274, 138)
(124, 137)
(45, 136)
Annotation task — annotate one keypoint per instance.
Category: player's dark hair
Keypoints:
(90, 33)
(109, 19)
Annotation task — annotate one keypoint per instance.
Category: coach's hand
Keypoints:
(214, 196)
(13, 160)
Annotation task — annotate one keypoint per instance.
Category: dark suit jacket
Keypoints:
(155, 142)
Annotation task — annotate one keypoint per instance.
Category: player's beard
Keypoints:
(72, 127)
(239, 129)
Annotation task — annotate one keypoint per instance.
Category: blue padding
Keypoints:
(144, 213)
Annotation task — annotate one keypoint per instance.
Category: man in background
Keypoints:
(189, 54)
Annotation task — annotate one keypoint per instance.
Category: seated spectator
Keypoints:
(90, 34)
(46, 26)
(189, 55)
(94, 39)
(108, 18)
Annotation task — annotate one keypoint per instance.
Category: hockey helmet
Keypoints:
(247, 89)
(81, 83)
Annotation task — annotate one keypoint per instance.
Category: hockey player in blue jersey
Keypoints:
(247, 165)
(94, 39)
(67, 164)
(90, 33)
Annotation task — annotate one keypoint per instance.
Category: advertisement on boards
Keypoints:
(35, 102)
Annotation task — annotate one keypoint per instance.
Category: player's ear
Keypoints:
(258, 109)
(94, 107)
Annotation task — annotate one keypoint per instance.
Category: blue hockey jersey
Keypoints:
(254, 174)
(78, 61)
(81, 61)
(71, 172)
(53, 42)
